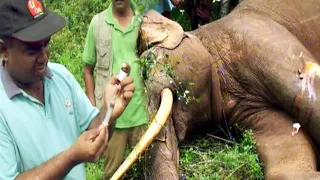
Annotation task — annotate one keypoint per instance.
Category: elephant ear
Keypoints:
(158, 31)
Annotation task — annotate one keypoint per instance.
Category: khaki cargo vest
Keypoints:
(104, 56)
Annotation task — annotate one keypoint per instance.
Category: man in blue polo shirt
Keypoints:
(48, 127)
(164, 6)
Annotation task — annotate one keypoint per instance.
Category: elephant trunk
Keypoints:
(158, 122)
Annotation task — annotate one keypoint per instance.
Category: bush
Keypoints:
(67, 45)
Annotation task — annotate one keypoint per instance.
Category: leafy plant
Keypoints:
(181, 88)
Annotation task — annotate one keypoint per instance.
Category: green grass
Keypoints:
(94, 170)
(202, 157)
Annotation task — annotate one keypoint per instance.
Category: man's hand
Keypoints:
(90, 145)
(88, 148)
(124, 95)
(177, 3)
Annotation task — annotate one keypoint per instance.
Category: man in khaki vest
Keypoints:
(111, 41)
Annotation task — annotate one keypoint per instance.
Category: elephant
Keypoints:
(257, 67)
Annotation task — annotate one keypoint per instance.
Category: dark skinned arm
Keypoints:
(89, 83)
(88, 148)
(55, 168)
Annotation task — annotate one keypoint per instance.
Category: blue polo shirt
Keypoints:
(31, 133)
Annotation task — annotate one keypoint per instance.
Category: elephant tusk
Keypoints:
(158, 122)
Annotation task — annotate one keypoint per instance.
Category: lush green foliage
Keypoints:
(67, 45)
(202, 157)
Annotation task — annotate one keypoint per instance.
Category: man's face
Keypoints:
(26, 62)
(120, 5)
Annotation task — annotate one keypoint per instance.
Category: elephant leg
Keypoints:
(162, 158)
(284, 156)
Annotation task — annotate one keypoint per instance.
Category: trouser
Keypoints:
(120, 139)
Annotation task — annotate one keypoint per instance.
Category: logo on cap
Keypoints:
(35, 8)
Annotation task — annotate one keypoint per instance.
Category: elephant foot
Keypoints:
(162, 157)
(284, 156)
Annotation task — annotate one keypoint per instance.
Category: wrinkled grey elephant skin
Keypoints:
(257, 67)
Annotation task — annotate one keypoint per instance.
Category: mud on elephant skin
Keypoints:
(256, 67)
